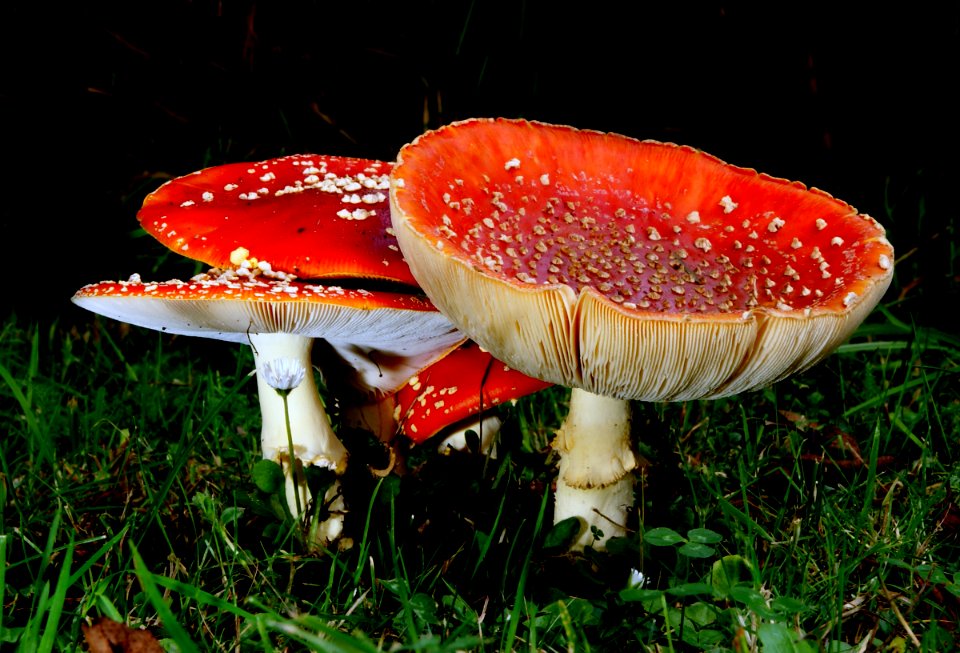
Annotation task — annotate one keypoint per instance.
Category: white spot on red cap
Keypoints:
(776, 224)
(356, 214)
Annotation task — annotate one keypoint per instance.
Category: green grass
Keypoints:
(820, 514)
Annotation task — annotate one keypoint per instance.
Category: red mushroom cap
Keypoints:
(463, 384)
(313, 216)
(405, 330)
(632, 269)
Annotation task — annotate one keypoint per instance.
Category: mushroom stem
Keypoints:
(314, 442)
(595, 482)
(487, 427)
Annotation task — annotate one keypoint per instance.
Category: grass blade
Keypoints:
(149, 587)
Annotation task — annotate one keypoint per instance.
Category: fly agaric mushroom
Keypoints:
(319, 217)
(455, 395)
(628, 270)
(279, 320)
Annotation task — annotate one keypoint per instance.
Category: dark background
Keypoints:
(102, 102)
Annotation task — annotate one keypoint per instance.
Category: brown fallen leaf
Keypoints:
(830, 444)
(109, 636)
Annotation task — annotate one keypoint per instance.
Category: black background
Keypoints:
(102, 102)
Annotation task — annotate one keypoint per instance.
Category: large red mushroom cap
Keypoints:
(309, 215)
(631, 269)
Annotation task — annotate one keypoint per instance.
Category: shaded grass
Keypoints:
(820, 514)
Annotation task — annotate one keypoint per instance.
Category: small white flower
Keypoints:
(283, 374)
(636, 579)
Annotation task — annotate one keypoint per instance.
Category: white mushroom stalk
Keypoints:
(296, 430)
(595, 481)
(315, 443)
(486, 427)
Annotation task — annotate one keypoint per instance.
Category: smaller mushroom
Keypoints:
(262, 225)
(456, 394)
(279, 320)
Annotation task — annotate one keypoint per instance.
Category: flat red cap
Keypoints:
(461, 385)
(313, 216)
(406, 331)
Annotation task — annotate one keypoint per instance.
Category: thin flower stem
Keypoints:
(291, 457)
